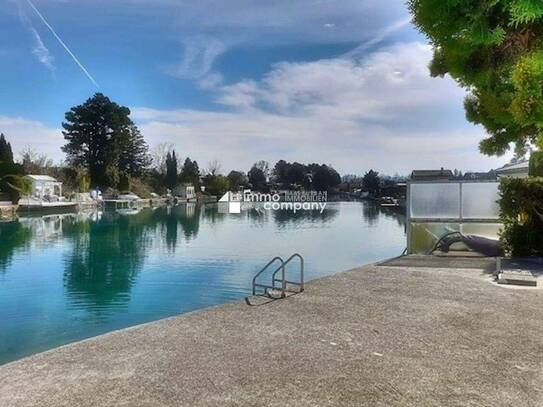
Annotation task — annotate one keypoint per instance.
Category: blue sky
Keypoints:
(341, 82)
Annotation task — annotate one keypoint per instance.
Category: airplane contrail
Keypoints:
(63, 44)
(379, 37)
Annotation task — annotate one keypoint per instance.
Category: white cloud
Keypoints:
(41, 51)
(384, 112)
(38, 47)
(21, 132)
(210, 81)
(199, 54)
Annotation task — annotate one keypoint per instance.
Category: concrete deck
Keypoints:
(379, 336)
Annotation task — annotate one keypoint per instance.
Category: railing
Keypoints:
(272, 287)
(283, 281)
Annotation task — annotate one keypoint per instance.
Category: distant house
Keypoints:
(518, 169)
(44, 186)
(186, 191)
(481, 176)
(432, 175)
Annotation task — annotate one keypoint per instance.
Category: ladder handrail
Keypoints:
(283, 280)
(263, 269)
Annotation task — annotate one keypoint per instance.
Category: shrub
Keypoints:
(15, 186)
(216, 184)
(10, 169)
(521, 210)
(536, 164)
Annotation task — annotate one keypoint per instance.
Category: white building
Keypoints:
(186, 191)
(44, 186)
(514, 170)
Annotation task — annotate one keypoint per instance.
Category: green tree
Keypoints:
(257, 177)
(216, 184)
(6, 154)
(13, 184)
(280, 172)
(297, 174)
(171, 170)
(191, 173)
(494, 49)
(101, 137)
(371, 181)
(324, 177)
(237, 179)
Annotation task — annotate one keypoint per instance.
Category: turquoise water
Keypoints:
(68, 277)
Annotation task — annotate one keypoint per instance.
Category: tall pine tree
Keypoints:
(171, 170)
(101, 137)
(6, 154)
(191, 172)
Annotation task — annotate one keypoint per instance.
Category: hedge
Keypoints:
(521, 211)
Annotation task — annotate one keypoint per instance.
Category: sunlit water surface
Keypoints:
(68, 277)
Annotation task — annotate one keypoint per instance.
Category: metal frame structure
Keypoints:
(282, 280)
(461, 219)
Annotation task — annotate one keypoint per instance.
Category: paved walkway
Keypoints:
(377, 336)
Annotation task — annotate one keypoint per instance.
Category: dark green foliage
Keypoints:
(280, 172)
(156, 181)
(191, 173)
(171, 170)
(298, 174)
(6, 154)
(7, 168)
(317, 176)
(74, 179)
(237, 179)
(15, 186)
(288, 174)
(371, 182)
(12, 182)
(216, 185)
(124, 183)
(521, 210)
(493, 48)
(257, 178)
(536, 164)
(324, 177)
(101, 137)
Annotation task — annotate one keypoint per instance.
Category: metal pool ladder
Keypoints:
(281, 270)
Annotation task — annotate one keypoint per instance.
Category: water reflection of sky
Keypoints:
(64, 278)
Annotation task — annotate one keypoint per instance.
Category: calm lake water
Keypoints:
(68, 277)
